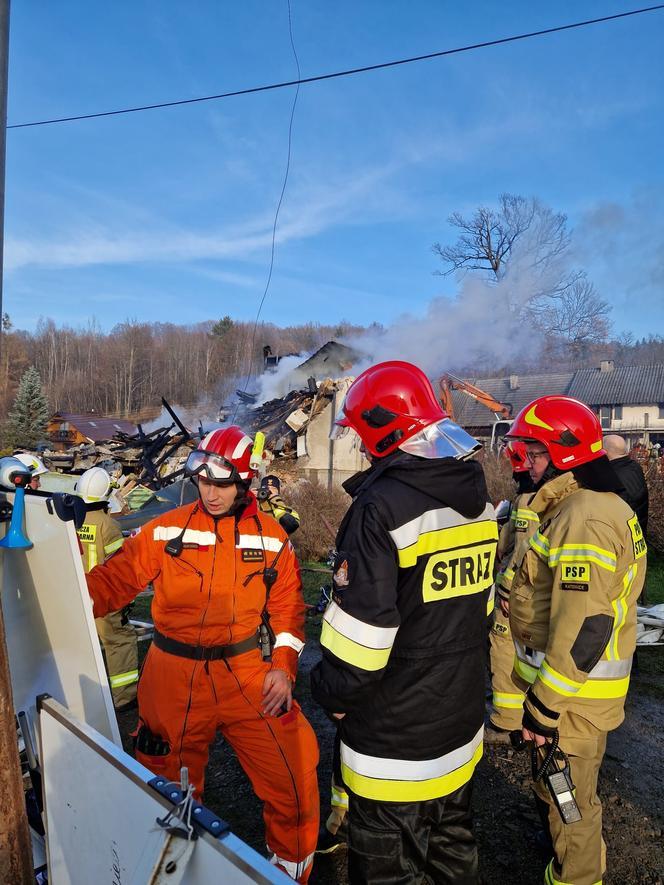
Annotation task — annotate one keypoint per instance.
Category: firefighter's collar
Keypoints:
(554, 491)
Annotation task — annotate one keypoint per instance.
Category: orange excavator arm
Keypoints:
(448, 383)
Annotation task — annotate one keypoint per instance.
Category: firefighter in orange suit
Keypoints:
(573, 619)
(219, 569)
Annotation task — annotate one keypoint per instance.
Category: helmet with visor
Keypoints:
(223, 456)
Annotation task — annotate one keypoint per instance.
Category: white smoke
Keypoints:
(204, 413)
(274, 385)
(484, 324)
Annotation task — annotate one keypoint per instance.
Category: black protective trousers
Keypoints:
(412, 843)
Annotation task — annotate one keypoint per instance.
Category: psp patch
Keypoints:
(250, 554)
(575, 576)
(520, 524)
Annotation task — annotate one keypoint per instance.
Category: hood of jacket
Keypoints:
(456, 484)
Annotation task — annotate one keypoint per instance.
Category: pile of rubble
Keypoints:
(283, 420)
(153, 459)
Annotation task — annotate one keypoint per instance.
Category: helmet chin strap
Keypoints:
(550, 473)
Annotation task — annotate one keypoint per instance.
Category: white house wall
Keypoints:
(636, 418)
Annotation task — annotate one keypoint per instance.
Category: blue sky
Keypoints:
(167, 214)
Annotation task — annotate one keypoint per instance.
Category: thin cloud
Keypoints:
(314, 209)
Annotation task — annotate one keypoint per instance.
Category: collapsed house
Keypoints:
(129, 454)
(297, 429)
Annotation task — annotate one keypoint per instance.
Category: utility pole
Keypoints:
(4, 80)
(15, 844)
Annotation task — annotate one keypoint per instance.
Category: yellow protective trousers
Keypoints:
(507, 697)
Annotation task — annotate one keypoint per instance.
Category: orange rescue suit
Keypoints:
(213, 595)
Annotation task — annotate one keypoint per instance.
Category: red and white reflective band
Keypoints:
(295, 869)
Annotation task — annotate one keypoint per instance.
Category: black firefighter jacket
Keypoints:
(404, 636)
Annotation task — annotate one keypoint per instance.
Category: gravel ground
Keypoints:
(631, 789)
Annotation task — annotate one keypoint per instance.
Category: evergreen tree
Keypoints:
(27, 420)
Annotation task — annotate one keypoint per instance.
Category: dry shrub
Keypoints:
(655, 480)
(321, 510)
(498, 473)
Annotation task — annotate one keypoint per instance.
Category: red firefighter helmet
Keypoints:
(223, 456)
(515, 451)
(568, 429)
(387, 404)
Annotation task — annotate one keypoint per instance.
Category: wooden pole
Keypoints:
(15, 845)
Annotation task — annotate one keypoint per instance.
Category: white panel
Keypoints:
(101, 817)
(49, 625)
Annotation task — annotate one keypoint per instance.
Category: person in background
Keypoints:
(573, 620)
(270, 501)
(630, 473)
(522, 522)
(36, 465)
(100, 537)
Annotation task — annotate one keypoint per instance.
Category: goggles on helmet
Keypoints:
(215, 467)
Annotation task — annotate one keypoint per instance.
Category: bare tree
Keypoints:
(579, 314)
(523, 233)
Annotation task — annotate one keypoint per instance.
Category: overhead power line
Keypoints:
(276, 214)
(346, 73)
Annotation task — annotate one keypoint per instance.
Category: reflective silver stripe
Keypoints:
(259, 542)
(611, 669)
(602, 670)
(191, 536)
(294, 868)
(583, 553)
(359, 631)
(434, 520)
(287, 640)
(410, 769)
(535, 658)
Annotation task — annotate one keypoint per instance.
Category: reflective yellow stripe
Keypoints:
(448, 539)
(550, 879)
(620, 612)
(540, 545)
(508, 573)
(352, 652)
(507, 700)
(525, 671)
(410, 791)
(583, 553)
(604, 689)
(523, 513)
(127, 678)
(556, 681)
(92, 556)
(113, 546)
(491, 601)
